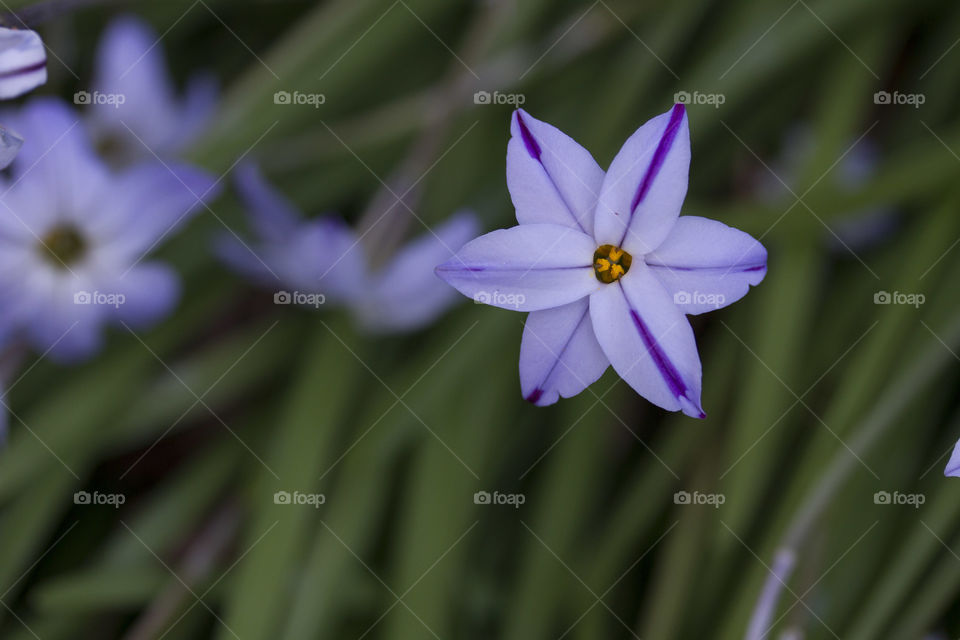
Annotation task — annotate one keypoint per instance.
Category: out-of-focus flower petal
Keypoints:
(953, 465)
(199, 103)
(148, 203)
(326, 257)
(56, 151)
(649, 341)
(130, 63)
(551, 178)
(244, 259)
(405, 294)
(23, 62)
(138, 112)
(150, 291)
(271, 215)
(525, 268)
(10, 144)
(559, 353)
(705, 265)
(645, 186)
(63, 328)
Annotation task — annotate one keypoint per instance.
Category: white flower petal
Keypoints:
(648, 340)
(525, 268)
(645, 186)
(551, 178)
(559, 353)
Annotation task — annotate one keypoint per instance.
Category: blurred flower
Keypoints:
(856, 230)
(23, 66)
(953, 465)
(23, 62)
(73, 234)
(605, 265)
(134, 109)
(322, 260)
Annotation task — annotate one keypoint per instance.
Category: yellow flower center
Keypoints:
(610, 263)
(62, 246)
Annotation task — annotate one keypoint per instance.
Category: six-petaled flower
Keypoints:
(605, 265)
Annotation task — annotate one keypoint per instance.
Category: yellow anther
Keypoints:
(610, 263)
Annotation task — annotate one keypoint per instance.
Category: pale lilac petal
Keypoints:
(559, 353)
(645, 186)
(28, 209)
(705, 265)
(10, 144)
(130, 63)
(23, 62)
(57, 158)
(324, 256)
(318, 256)
(148, 203)
(405, 294)
(271, 215)
(551, 178)
(150, 291)
(70, 331)
(244, 259)
(953, 465)
(525, 268)
(648, 340)
(199, 104)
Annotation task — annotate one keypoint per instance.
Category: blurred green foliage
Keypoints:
(817, 397)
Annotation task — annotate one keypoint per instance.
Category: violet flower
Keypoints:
(73, 235)
(319, 261)
(134, 108)
(23, 62)
(604, 264)
(953, 465)
(23, 67)
(857, 230)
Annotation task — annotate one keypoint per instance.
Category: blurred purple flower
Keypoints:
(857, 230)
(23, 66)
(324, 257)
(605, 265)
(73, 234)
(953, 465)
(23, 62)
(134, 109)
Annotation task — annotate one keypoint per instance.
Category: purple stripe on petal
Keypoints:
(718, 269)
(528, 140)
(656, 163)
(669, 372)
(535, 395)
(24, 70)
